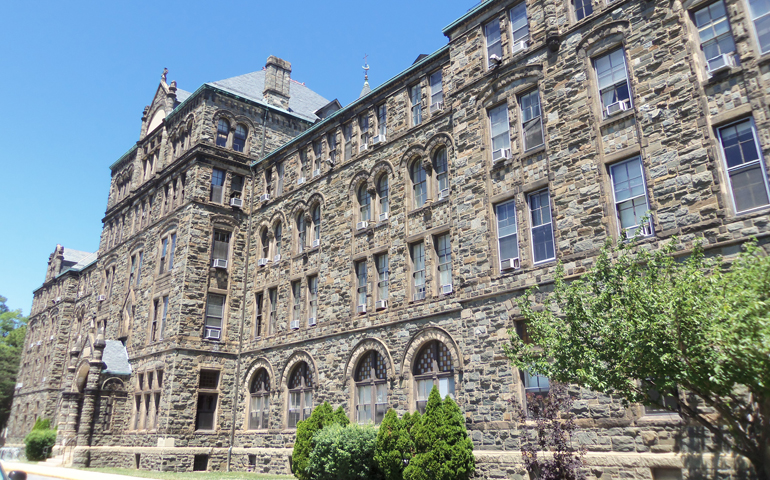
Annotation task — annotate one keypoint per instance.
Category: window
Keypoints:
(215, 306)
(277, 237)
(163, 318)
(382, 118)
(317, 155)
(363, 126)
(265, 241)
(494, 44)
(417, 251)
(507, 234)
(236, 185)
(542, 232)
(630, 196)
(331, 142)
(536, 384)
(361, 286)
(440, 167)
(714, 32)
(433, 366)
(760, 15)
(279, 183)
(583, 8)
(258, 321)
(444, 252)
(315, 215)
(383, 191)
(613, 82)
(239, 138)
(207, 399)
(217, 185)
(419, 184)
(296, 293)
(666, 403)
(414, 98)
(436, 91)
(312, 286)
(347, 133)
(531, 120)
(223, 130)
(221, 248)
(259, 407)
(519, 24)
(300, 394)
(499, 131)
(158, 324)
(268, 180)
(371, 389)
(301, 232)
(167, 247)
(745, 166)
(383, 271)
(272, 296)
(364, 203)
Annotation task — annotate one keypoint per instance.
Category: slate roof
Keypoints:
(302, 101)
(115, 358)
(75, 256)
(182, 95)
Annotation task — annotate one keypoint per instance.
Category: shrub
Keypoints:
(39, 442)
(42, 424)
(344, 453)
(322, 416)
(394, 445)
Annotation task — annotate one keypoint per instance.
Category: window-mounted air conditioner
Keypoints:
(519, 46)
(316, 242)
(446, 289)
(264, 197)
(617, 107)
(377, 139)
(316, 172)
(509, 263)
(383, 216)
(212, 334)
(101, 298)
(721, 63)
(419, 296)
(236, 202)
(362, 225)
(263, 262)
(277, 258)
(300, 180)
(381, 304)
(495, 59)
(361, 309)
(311, 322)
(219, 263)
(443, 194)
(294, 324)
(501, 154)
(436, 107)
(363, 147)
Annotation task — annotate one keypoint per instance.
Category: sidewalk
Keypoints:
(63, 472)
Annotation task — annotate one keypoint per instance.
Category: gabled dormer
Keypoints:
(166, 98)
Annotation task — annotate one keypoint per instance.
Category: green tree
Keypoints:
(394, 445)
(13, 328)
(39, 442)
(322, 416)
(344, 452)
(644, 325)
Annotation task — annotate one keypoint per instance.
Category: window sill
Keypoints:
(363, 231)
(532, 152)
(722, 76)
(617, 118)
(659, 418)
(427, 206)
(763, 59)
(382, 224)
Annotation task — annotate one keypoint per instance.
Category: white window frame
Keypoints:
(535, 114)
(754, 19)
(493, 46)
(613, 86)
(517, 35)
(415, 100)
(383, 273)
(210, 316)
(436, 87)
(631, 231)
(312, 285)
(444, 259)
(417, 254)
(515, 234)
(382, 119)
(362, 279)
(533, 226)
(760, 160)
(505, 136)
(711, 25)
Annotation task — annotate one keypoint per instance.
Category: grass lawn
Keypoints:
(192, 475)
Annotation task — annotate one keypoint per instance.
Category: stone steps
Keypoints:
(56, 461)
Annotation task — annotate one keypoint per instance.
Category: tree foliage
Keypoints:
(344, 453)
(13, 328)
(322, 416)
(394, 444)
(643, 325)
(39, 442)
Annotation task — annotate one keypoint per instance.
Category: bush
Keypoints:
(394, 445)
(344, 453)
(39, 443)
(322, 416)
(42, 424)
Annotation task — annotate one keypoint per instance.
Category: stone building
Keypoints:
(265, 250)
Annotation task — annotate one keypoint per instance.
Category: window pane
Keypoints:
(519, 22)
(492, 33)
(749, 188)
(627, 180)
(446, 386)
(509, 247)
(762, 25)
(423, 388)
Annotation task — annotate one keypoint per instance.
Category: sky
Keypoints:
(75, 77)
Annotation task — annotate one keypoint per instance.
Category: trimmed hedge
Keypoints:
(39, 442)
(344, 453)
(322, 416)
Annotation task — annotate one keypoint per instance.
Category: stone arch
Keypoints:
(223, 113)
(380, 168)
(167, 225)
(255, 366)
(299, 206)
(294, 359)
(113, 384)
(421, 338)
(316, 199)
(412, 153)
(364, 346)
(359, 178)
(277, 217)
(438, 141)
(81, 377)
(605, 36)
(223, 221)
(526, 75)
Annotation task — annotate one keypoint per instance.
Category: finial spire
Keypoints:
(366, 88)
(366, 68)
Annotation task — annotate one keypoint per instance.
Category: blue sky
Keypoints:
(76, 76)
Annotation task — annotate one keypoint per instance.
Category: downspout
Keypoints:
(243, 300)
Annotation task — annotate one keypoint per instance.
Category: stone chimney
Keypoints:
(277, 80)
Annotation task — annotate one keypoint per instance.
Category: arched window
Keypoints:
(442, 179)
(433, 366)
(277, 240)
(419, 184)
(301, 232)
(265, 244)
(239, 139)
(300, 394)
(383, 191)
(259, 407)
(371, 388)
(315, 214)
(364, 203)
(223, 130)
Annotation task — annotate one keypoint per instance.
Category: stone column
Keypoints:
(88, 412)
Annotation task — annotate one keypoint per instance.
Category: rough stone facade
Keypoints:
(287, 266)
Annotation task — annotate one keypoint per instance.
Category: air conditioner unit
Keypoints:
(383, 216)
(443, 194)
(419, 296)
(39, 342)
(311, 322)
(435, 107)
(501, 154)
(212, 334)
(617, 107)
(363, 147)
(721, 63)
(509, 263)
(361, 309)
(316, 242)
(219, 263)
(300, 180)
(495, 58)
(519, 46)
(264, 197)
(262, 262)
(277, 258)
(51, 338)
(236, 202)
(361, 225)
(316, 172)
(101, 298)
(446, 289)
(377, 139)
(294, 324)
(381, 304)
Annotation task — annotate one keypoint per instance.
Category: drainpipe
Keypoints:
(243, 301)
